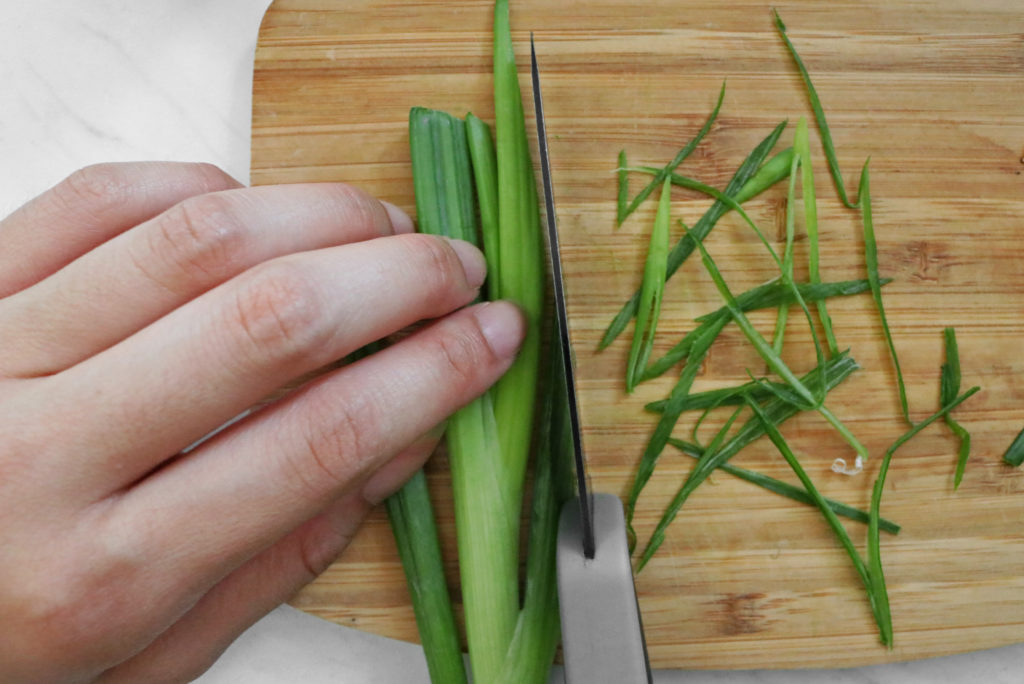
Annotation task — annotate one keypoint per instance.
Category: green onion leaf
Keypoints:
(485, 177)
(676, 161)
(1015, 453)
(652, 291)
(747, 182)
(836, 369)
(415, 531)
(623, 196)
(786, 489)
(878, 590)
(871, 263)
(949, 387)
(819, 116)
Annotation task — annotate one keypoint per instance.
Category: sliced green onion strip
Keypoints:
(949, 387)
(623, 196)
(819, 117)
(874, 556)
(747, 182)
(871, 264)
(802, 148)
(837, 369)
(1015, 453)
(677, 160)
(668, 420)
(786, 489)
(651, 293)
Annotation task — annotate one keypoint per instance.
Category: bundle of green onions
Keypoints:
(460, 175)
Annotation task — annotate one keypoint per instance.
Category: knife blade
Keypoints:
(602, 632)
(561, 314)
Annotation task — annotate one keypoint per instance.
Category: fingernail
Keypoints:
(502, 325)
(400, 221)
(473, 263)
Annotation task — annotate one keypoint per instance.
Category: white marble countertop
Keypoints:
(109, 80)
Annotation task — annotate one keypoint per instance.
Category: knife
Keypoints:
(602, 634)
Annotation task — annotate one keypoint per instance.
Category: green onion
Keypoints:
(837, 527)
(761, 297)
(485, 177)
(784, 488)
(836, 369)
(1015, 453)
(535, 639)
(668, 420)
(486, 517)
(873, 549)
(623, 196)
(415, 531)
(819, 116)
(802, 149)
(676, 161)
(755, 338)
(747, 182)
(949, 387)
(652, 291)
(871, 263)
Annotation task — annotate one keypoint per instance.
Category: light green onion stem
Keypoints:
(485, 177)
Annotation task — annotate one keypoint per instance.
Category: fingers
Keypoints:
(231, 347)
(260, 479)
(88, 208)
(192, 645)
(144, 273)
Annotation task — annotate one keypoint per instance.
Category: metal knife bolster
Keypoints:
(602, 636)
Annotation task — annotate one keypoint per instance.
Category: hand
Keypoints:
(144, 305)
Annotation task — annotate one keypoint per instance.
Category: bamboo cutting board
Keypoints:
(932, 90)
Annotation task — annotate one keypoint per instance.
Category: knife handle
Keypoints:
(602, 635)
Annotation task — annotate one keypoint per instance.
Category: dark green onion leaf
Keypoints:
(623, 197)
(819, 117)
(747, 182)
(871, 263)
(878, 590)
(786, 489)
(837, 369)
(1015, 454)
(652, 291)
(676, 161)
(949, 387)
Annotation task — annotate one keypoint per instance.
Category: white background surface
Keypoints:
(103, 80)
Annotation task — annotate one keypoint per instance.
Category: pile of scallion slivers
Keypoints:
(481, 188)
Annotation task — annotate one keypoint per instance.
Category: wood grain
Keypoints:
(932, 90)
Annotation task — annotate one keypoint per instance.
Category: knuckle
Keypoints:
(98, 184)
(462, 354)
(435, 259)
(336, 445)
(279, 312)
(357, 207)
(201, 238)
